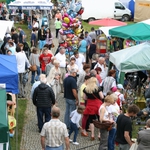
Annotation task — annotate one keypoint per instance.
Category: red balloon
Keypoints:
(81, 11)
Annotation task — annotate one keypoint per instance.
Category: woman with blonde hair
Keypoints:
(93, 96)
(104, 116)
(54, 77)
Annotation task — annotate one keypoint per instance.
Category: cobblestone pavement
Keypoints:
(31, 137)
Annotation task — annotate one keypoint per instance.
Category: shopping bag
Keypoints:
(134, 146)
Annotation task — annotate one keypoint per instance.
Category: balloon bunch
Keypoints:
(72, 27)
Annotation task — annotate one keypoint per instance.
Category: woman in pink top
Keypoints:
(58, 15)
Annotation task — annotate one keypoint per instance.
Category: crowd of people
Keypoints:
(91, 91)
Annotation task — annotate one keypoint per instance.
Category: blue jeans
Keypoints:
(70, 106)
(43, 111)
(41, 44)
(54, 148)
(33, 75)
(73, 127)
(111, 139)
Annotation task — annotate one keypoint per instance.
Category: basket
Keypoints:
(104, 125)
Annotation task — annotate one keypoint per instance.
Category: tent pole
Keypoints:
(17, 122)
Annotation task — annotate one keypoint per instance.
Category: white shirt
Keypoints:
(62, 59)
(114, 111)
(106, 115)
(121, 97)
(79, 61)
(69, 67)
(75, 117)
(21, 61)
(36, 25)
(103, 73)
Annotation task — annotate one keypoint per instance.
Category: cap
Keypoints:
(86, 32)
(114, 89)
(120, 86)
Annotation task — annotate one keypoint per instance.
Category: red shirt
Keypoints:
(44, 60)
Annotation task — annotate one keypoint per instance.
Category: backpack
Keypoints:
(118, 100)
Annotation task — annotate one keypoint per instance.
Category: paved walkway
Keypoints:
(31, 137)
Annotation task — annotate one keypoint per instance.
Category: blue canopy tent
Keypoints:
(9, 77)
(9, 73)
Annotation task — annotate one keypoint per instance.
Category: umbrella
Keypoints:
(107, 22)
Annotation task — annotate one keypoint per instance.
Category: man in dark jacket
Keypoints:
(43, 99)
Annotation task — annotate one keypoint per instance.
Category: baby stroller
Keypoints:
(45, 22)
(27, 49)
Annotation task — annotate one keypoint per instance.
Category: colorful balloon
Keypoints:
(66, 20)
(65, 25)
(81, 11)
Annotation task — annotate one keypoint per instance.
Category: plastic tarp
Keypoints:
(9, 73)
(142, 10)
(31, 5)
(4, 136)
(132, 59)
(137, 32)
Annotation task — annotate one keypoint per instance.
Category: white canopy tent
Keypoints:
(31, 5)
(8, 24)
(3, 30)
(146, 21)
(105, 30)
(132, 59)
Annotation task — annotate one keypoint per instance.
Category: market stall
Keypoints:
(132, 59)
(9, 79)
(4, 135)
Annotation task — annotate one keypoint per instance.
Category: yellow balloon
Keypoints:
(66, 20)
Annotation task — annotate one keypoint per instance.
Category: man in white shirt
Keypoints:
(22, 61)
(61, 57)
(80, 60)
(101, 63)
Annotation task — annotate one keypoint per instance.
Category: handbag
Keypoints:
(33, 67)
(103, 125)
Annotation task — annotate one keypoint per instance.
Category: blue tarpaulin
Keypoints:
(9, 73)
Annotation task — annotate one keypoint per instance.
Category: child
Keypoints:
(74, 122)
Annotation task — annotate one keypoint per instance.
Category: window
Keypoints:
(119, 6)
